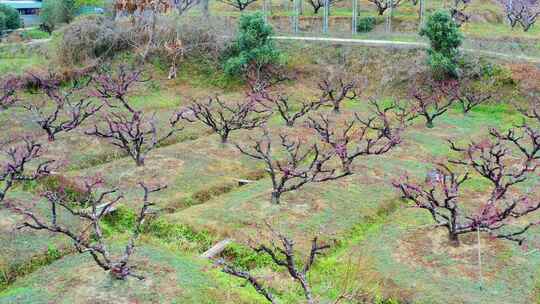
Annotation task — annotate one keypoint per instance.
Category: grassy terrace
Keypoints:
(379, 251)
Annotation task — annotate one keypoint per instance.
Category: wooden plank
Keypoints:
(216, 249)
(243, 182)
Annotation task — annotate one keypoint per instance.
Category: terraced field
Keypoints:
(381, 250)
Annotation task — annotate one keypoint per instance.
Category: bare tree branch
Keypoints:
(318, 4)
(288, 112)
(15, 167)
(336, 91)
(128, 128)
(375, 135)
(238, 4)
(223, 118)
(283, 255)
(383, 5)
(303, 164)
(8, 90)
(492, 160)
(90, 239)
(59, 112)
(433, 99)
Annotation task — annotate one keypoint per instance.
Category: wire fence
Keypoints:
(357, 19)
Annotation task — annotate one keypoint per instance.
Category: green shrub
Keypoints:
(178, 233)
(56, 12)
(3, 19)
(9, 18)
(366, 24)
(252, 47)
(35, 34)
(445, 38)
(121, 220)
(483, 69)
(245, 257)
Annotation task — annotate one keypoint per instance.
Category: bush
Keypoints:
(366, 24)
(89, 37)
(9, 18)
(2, 21)
(202, 39)
(198, 40)
(56, 12)
(445, 38)
(35, 34)
(252, 47)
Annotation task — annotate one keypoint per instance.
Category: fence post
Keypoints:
(389, 16)
(326, 15)
(479, 258)
(205, 8)
(511, 7)
(265, 11)
(296, 15)
(354, 16)
(422, 12)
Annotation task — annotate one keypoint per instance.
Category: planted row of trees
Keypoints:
(291, 163)
(63, 110)
(517, 12)
(294, 164)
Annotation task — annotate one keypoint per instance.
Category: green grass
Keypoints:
(17, 65)
(379, 251)
(433, 276)
(24, 251)
(35, 34)
(170, 278)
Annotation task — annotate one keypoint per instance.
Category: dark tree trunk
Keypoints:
(307, 290)
(453, 238)
(275, 197)
(139, 161)
(119, 272)
(50, 135)
(225, 138)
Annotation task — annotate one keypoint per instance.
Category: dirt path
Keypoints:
(404, 44)
(384, 43)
